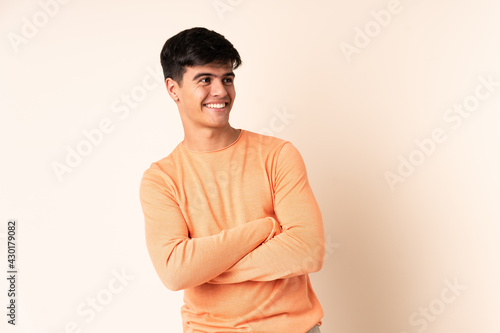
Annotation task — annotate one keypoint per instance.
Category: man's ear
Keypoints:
(172, 88)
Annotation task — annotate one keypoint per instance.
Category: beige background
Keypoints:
(354, 118)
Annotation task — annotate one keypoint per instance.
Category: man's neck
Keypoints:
(208, 139)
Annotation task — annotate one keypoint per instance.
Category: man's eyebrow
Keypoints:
(197, 76)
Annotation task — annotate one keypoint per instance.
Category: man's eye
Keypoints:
(205, 80)
(228, 80)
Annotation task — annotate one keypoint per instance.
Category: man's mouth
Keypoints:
(216, 105)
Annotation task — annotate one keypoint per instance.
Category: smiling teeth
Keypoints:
(216, 106)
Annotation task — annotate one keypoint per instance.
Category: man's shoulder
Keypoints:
(267, 142)
(166, 165)
(275, 149)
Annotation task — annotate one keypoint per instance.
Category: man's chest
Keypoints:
(220, 196)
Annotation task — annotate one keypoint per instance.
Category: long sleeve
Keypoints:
(183, 262)
(299, 248)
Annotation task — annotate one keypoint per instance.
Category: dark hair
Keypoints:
(196, 47)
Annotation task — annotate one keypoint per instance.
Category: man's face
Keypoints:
(206, 95)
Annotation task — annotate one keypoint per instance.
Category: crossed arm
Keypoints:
(260, 250)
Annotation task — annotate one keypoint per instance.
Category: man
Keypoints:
(230, 217)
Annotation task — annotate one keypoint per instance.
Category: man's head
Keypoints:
(198, 67)
(196, 47)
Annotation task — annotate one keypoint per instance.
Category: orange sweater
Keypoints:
(238, 229)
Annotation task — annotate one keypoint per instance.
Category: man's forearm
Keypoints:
(188, 262)
(294, 252)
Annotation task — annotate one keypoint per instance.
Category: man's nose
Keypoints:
(218, 89)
